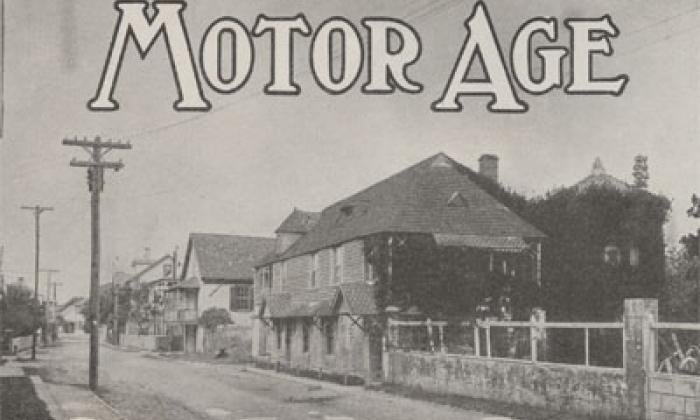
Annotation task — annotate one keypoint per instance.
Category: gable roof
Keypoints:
(226, 257)
(299, 221)
(359, 298)
(149, 267)
(416, 200)
(74, 301)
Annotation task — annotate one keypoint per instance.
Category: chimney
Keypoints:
(488, 167)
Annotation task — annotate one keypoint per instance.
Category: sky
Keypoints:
(242, 167)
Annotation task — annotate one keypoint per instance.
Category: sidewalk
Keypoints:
(63, 402)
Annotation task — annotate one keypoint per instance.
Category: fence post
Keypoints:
(477, 339)
(431, 340)
(537, 333)
(488, 340)
(637, 351)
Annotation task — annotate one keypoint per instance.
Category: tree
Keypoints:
(106, 315)
(21, 313)
(682, 289)
(682, 298)
(214, 317)
(640, 171)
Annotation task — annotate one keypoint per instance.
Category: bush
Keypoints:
(213, 317)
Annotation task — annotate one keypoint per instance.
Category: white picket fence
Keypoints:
(436, 335)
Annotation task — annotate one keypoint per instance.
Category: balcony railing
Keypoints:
(181, 315)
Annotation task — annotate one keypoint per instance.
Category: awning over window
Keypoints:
(493, 243)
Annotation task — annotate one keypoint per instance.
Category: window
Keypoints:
(275, 284)
(241, 298)
(611, 255)
(266, 278)
(283, 278)
(337, 265)
(329, 327)
(277, 276)
(305, 335)
(371, 274)
(278, 330)
(634, 257)
(313, 280)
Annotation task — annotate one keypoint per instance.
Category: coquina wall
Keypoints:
(599, 392)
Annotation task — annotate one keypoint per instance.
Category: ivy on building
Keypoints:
(602, 245)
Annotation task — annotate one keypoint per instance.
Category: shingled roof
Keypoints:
(436, 196)
(359, 299)
(299, 221)
(226, 257)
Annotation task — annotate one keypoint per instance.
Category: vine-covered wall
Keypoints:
(602, 245)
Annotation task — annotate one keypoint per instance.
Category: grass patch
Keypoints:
(18, 400)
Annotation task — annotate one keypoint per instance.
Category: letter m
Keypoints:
(134, 24)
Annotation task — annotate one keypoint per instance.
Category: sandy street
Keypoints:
(140, 386)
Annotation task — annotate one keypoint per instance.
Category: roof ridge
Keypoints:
(232, 235)
(388, 178)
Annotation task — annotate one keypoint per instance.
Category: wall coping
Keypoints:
(604, 369)
(664, 375)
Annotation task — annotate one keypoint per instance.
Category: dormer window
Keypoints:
(457, 200)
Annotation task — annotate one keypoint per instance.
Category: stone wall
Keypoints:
(145, 342)
(593, 391)
(673, 397)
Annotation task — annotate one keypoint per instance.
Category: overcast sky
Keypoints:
(242, 167)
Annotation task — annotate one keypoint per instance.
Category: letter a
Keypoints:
(134, 22)
(481, 41)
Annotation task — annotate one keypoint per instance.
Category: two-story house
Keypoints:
(316, 295)
(149, 284)
(217, 273)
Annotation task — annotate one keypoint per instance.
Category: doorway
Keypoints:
(190, 338)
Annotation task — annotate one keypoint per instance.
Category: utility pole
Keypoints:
(2, 305)
(97, 149)
(48, 306)
(37, 213)
(56, 285)
(115, 310)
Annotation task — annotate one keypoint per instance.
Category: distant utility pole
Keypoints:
(48, 308)
(97, 149)
(37, 213)
(115, 309)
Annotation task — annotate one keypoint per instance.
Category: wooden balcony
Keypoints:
(181, 315)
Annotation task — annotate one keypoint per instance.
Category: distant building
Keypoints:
(600, 178)
(218, 272)
(71, 316)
